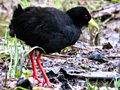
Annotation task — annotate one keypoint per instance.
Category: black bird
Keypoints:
(49, 28)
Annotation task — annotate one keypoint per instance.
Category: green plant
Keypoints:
(57, 2)
(90, 86)
(15, 72)
(25, 3)
(18, 88)
(116, 81)
(115, 1)
(14, 57)
(105, 85)
(6, 40)
(26, 72)
(94, 6)
(94, 87)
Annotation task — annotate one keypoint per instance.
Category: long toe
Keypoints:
(35, 77)
(48, 83)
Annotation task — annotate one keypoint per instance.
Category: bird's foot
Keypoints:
(48, 83)
(35, 77)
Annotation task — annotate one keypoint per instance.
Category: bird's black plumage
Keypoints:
(49, 28)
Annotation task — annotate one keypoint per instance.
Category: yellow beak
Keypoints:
(93, 23)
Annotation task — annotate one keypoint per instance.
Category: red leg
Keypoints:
(34, 75)
(46, 80)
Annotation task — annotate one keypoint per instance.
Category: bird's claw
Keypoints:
(49, 83)
(35, 77)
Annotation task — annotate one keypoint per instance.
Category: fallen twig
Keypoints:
(113, 56)
(108, 10)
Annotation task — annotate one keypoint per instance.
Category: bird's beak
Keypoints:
(93, 23)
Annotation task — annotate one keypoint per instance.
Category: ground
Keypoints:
(95, 58)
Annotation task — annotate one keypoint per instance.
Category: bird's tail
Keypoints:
(17, 11)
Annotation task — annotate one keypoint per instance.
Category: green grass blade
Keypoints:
(16, 54)
(26, 3)
(5, 37)
(23, 5)
(87, 83)
(57, 3)
(31, 50)
(95, 85)
(35, 3)
(45, 2)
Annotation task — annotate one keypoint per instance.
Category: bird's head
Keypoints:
(81, 17)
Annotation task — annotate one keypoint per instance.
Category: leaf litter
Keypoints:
(71, 68)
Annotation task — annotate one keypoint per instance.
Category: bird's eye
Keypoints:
(86, 16)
